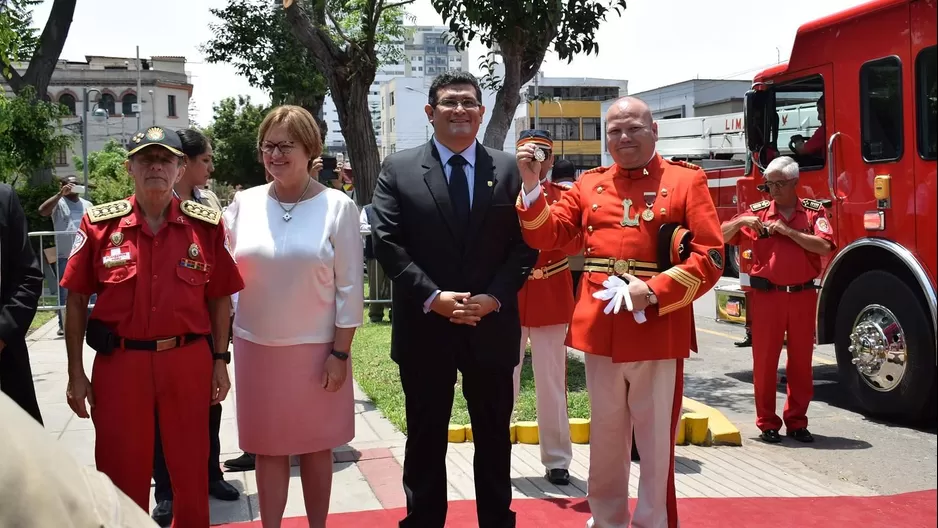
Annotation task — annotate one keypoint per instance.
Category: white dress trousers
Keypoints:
(549, 359)
(646, 395)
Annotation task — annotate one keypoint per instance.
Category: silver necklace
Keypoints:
(286, 212)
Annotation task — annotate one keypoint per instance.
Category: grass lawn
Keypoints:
(40, 319)
(378, 377)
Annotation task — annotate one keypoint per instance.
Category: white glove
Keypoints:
(617, 292)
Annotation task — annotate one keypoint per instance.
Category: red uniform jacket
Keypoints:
(778, 258)
(152, 286)
(604, 207)
(547, 298)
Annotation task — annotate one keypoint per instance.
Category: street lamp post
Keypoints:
(152, 107)
(563, 128)
(84, 135)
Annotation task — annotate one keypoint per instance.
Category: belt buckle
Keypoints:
(165, 344)
(538, 273)
(621, 267)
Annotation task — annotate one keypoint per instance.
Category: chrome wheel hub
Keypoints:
(877, 343)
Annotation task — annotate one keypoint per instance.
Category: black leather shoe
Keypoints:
(163, 513)
(559, 477)
(221, 490)
(801, 435)
(245, 462)
(747, 342)
(771, 436)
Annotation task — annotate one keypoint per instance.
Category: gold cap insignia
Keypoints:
(193, 250)
(138, 137)
(116, 238)
(155, 134)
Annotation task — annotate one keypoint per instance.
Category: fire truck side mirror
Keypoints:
(754, 116)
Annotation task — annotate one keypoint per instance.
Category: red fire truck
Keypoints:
(874, 65)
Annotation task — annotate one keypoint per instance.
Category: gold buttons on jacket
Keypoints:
(599, 189)
(664, 192)
(595, 206)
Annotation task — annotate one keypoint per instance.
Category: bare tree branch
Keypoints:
(338, 28)
(394, 5)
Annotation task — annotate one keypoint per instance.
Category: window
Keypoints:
(107, 102)
(127, 104)
(171, 106)
(795, 124)
(592, 129)
(68, 101)
(61, 157)
(926, 96)
(881, 109)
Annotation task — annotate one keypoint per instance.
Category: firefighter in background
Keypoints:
(545, 304)
(163, 275)
(634, 361)
(789, 237)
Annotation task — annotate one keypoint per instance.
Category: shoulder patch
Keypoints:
(683, 163)
(764, 204)
(200, 212)
(80, 239)
(99, 213)
(813, 205)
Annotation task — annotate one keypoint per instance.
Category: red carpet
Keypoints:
(909, 510)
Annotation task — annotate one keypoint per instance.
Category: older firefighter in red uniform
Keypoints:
(545, 304)
(163, 277)
(789, 238)
(627, 215)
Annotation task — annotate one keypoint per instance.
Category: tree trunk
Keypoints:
(519, 69)
(51, 41)
(349, 73)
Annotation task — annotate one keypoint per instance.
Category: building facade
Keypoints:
(426, 53)
(115, 109)
(696, 98)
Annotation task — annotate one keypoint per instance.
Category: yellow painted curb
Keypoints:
(468, 432)
(722, 431)
(514, 435)
(457, 433)
(681, 432)
(526, 432)
(579, 430)
(695, 430)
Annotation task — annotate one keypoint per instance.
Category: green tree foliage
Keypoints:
(42, 54)
(30, 136)
(254, 37)
(347, 41)
(524, 31)
(234, 141)
(18, 38)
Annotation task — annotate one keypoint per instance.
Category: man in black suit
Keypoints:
(446, 233)
(20, 288)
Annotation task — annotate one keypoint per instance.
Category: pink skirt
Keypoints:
(282, 407)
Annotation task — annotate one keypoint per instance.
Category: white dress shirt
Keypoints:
(302, 278)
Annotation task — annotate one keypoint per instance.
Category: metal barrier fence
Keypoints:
(53, 296)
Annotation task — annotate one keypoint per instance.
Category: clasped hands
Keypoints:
(773, 227)
(631, 292)
(462, 307)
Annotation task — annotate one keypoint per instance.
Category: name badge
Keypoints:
(116, 257)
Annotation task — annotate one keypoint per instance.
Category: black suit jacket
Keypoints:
(415, 241)
(20, 273)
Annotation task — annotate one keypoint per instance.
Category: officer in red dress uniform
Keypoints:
(789, 238)
(634, 361)
(163, 277)
(545, 304)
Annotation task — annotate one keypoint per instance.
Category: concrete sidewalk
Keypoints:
(367, 472)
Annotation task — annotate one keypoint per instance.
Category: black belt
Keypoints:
(758, 283)
(158, 345)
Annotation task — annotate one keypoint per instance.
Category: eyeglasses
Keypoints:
(285, 147)
(777, 184)
(451, 104)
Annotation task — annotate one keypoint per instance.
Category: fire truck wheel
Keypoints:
(732, 261)
(885, 348)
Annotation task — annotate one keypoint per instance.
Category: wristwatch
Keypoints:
(226, 357)
(651, 297)
(341, 355)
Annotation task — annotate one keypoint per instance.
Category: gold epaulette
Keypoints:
(764, 204)
(813, 205)
(683, 163)
(201, 212)
(597, 169)
(100, 213)
(561, 187)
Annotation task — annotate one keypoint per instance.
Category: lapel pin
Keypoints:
(490, 183)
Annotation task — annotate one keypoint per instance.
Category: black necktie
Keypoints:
(459, 190)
